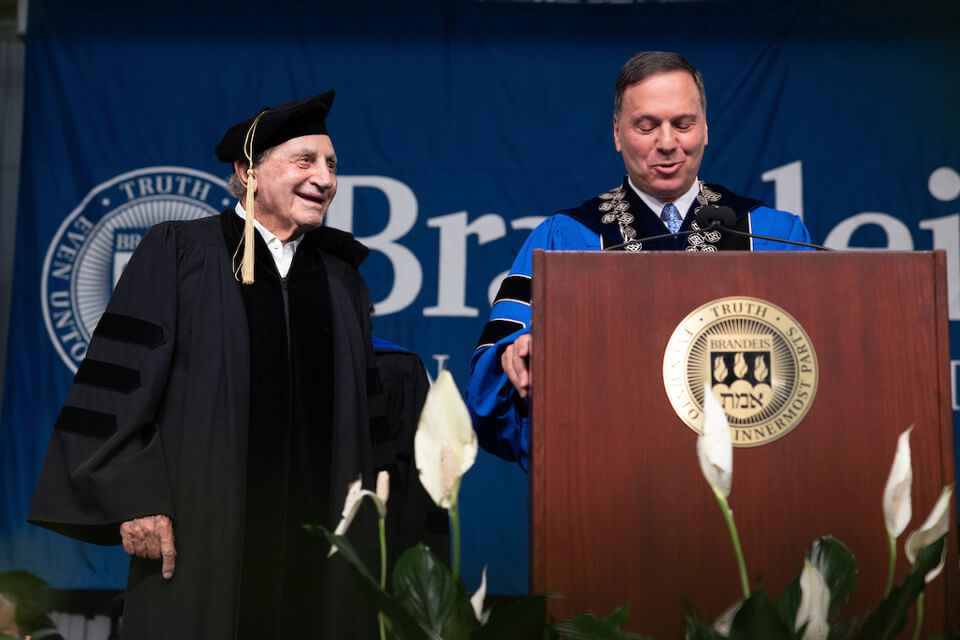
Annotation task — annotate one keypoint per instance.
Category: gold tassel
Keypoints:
(246, 268)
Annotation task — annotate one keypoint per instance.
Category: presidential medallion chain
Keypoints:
(703, 241)
(615, 208)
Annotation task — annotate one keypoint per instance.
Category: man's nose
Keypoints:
(322, 176)
(666, 139)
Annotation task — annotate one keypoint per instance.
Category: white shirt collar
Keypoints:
(282, 252)
(682, 203)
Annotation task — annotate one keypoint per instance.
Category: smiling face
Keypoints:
(661, 131)
(295, 184)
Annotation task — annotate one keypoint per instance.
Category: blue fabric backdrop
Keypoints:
(457, 126)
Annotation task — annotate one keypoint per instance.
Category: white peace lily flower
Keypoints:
(814, 604)
(445, 445)
(383, 489)
(355, 496)
(714, 447)
(897, 509)
(936, 526)
(477, 599)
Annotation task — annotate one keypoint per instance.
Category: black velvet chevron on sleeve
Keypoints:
(122, 328)
(86, 422)
(107, 375)
(496, 330)
(516, 288)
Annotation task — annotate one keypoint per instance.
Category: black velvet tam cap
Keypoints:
(276, 125)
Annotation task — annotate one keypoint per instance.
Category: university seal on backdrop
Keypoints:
(94, 243)
(756, 359)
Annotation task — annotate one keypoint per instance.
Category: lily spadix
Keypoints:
(714, 447)
(355, 495)
(897, 508)
(934, 527)
(715, 451)
(445, 447)
(814, 604)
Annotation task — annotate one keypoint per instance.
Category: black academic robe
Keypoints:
(157, 420)
(412, 516)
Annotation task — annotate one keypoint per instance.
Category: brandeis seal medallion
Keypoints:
(756, 359)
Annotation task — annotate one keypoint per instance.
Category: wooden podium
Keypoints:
(620, 512)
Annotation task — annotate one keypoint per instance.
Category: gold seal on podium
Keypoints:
(755, 357)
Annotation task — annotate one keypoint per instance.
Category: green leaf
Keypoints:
(697, 629)
(844, 629)
(343, 547)
(521, 621)
(619, 616)
(839, 569)
(588, 627)
(403, 625)
(759, 618)
(430, 592)
(890, 616)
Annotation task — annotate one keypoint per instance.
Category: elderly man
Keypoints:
(660, 129)
(225, 401)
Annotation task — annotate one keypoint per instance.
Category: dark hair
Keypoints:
(648, 63)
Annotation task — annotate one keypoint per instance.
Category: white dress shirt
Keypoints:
(282, 252)
(682, 203)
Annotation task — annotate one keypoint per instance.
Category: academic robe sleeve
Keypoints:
(499, 414)
(778, 224)
(105, 462)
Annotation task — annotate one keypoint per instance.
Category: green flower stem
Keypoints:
(454, 512)
(919, 625)
(728, 516)
(892, 549)
(383, 569)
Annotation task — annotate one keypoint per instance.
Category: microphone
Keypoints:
(712, 216)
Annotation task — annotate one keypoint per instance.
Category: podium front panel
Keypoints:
(620, 512)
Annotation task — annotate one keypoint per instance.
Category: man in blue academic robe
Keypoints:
(660, 129)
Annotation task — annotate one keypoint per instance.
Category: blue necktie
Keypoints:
(671, 217)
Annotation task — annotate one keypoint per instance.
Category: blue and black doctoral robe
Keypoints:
(499, 414)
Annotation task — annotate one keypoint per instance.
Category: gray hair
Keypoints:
(234, 186)
(648, 63)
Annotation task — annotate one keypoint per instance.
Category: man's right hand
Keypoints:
(151, 537)
(516, 363)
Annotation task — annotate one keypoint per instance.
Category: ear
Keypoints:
(616, 133)
(240, 169)
(706, 131)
